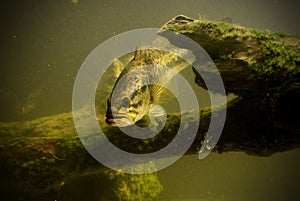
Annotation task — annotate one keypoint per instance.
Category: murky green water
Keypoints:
(43, 44)
(233, 176)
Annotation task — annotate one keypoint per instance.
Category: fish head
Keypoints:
(118, 113)
(128, 102)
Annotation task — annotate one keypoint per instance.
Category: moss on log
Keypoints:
(261, 68)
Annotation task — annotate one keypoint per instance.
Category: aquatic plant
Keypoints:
(230, 35)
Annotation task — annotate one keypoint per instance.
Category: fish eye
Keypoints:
(125, 102)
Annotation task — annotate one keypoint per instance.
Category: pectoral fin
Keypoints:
(158, 117)
(156, 111)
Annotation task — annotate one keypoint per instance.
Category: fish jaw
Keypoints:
(120, 121)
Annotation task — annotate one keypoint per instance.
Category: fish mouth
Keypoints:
(110, 122)
(120, 121)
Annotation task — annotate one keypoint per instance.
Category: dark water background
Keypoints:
(43, 43)
(233, 176)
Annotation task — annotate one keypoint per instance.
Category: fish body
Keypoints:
(139, 90)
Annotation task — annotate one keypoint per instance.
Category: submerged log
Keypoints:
(263, 70)
(260, 68)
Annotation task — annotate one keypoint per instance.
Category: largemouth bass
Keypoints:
(139, 89)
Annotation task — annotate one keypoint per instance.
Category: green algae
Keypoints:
(261, 58)
(112, 185)
(278, 60)
(271, 56)
(42, 165)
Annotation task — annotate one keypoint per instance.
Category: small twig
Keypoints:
(54, 156)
